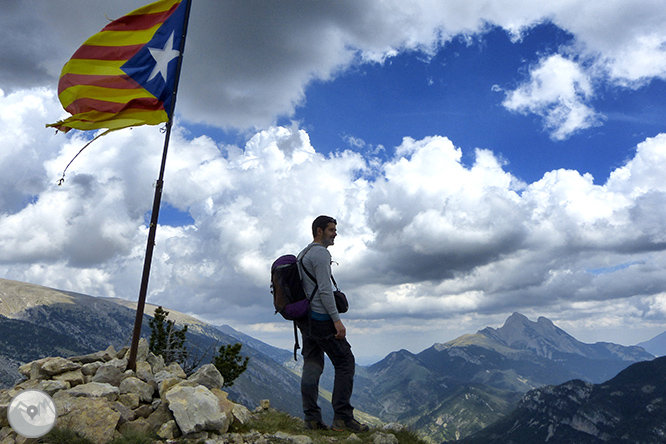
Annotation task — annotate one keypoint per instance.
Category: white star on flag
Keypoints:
(162, 58)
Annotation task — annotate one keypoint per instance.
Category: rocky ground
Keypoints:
(99, 398)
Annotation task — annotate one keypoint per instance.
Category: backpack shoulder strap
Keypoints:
(312, 278)
(302, 267)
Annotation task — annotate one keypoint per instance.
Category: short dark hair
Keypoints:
(322, 222)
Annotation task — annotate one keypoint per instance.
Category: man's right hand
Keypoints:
(340, 330)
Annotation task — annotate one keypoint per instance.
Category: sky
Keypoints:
(481, 158)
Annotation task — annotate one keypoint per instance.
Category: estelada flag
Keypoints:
(125, 75)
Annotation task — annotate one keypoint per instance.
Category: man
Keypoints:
(324, 332)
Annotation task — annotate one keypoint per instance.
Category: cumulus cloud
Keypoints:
(424, 236)
(559, 91)
(248, 63)
(421, 236)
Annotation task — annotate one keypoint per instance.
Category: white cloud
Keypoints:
(558, 90)
(423, 238)
(247, 63)
(626, 38)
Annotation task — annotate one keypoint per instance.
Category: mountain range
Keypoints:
(36, 322)
(629, 408)
(656, 345)
(453, 389)
(446, 392)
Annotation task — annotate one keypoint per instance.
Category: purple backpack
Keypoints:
(289, 298)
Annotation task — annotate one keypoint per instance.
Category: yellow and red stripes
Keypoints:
(94, 88)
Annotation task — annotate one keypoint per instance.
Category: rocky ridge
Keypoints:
(629, 408)
(99, 398)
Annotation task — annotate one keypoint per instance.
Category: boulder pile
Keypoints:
(99, 398)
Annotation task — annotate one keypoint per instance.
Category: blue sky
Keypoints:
(452, 94)
(458, 92)
(481, 159)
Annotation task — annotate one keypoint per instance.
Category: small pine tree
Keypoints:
(166, 340)
(230, 363)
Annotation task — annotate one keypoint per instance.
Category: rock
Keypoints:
(90, 368)
(56, 366)
(123, 353)
(7, 436)
(98, 398)
(169, 430)
(241, 414)
(28, 369)
(394, 426)
(4, 406)
(176, 369)
(109, 374)
(156, 363)
(100, 356)
(128, 374)
(126, 414)
(109, 354)
(196, 409)
(92, 418)
(238, 412)
(36, 371)
(163, 375)
(165, 381)
(143, 411)
(161, 415)
(131, 400)
(140, 426)
(209, 376)
(137, 386)
(384, 438)
(87, 359)
(144, 372)
(225, 405)
(297, 439)
(74, 377)
(46, 385)
(120, 364)
(95, 390)
(142, 350)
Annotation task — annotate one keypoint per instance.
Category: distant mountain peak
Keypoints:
(545, 339)
(542, 336)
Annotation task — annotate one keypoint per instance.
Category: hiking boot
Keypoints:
(315, 425)
(351, 425)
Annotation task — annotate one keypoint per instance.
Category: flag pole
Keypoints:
(131, 363)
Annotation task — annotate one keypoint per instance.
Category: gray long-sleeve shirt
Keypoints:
(317, 260)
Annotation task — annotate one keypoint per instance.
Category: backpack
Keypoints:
(289, 298)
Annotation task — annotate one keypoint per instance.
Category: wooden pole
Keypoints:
(159, 185)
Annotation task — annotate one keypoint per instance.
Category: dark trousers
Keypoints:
(319, 338)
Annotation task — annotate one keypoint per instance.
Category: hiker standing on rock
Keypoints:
(324, 332)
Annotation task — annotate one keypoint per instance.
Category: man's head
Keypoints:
(324, 230)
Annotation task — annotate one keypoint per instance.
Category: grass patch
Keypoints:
(272, 421)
